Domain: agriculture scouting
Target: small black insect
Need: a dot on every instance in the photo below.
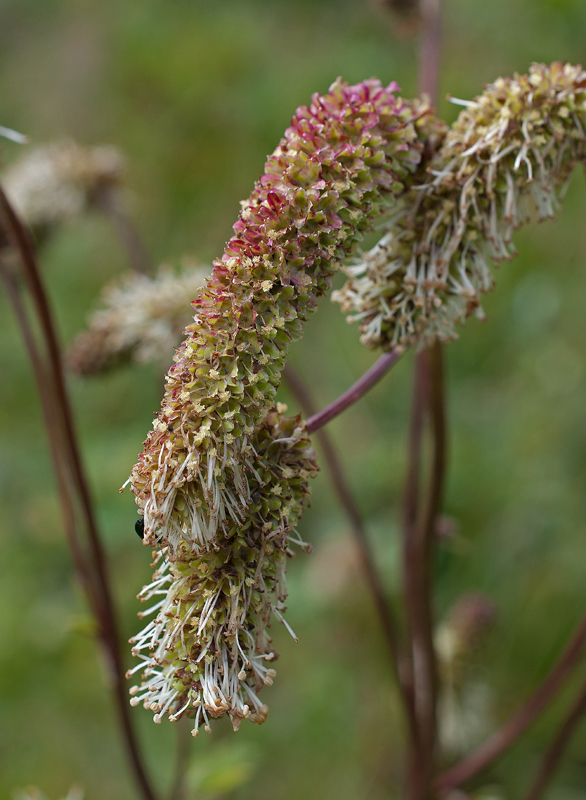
(139, 527)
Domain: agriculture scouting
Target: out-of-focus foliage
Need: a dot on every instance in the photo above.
(195, 94)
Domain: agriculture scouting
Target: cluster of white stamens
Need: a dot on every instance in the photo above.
(204, 653)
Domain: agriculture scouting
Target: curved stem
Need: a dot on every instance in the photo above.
(556, 750)
(355, 392)
(519, 722)
(70, 473)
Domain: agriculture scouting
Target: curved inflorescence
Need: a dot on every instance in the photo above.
(508, 155)
(205, 653)
(223, 478)
(341, 164)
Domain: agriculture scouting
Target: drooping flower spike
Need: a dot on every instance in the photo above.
(509, 153)
(340, 166)
(207, 652)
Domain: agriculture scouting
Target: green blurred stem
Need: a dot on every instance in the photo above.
(554, 753)
(373, 579)
(71, 479)
(182, 752)
(519, 722)
(106, 198)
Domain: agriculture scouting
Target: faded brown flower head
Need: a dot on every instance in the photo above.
(141, 319)
(53, 182)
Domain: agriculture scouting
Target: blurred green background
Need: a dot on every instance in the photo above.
(196, 93)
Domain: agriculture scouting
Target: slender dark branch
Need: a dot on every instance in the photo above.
(348, 503)
(106, 199)
(70, 473)
(425, 661)
(554, 753)
(356, 391)
(418, 772)
(519, 722)
(50, 416)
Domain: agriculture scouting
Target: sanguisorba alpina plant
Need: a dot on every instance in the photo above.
(222, 479)
(509, 153)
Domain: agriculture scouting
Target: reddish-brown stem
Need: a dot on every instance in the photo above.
(355, 392)
(70, 474)
(419, 524)
(418, 770)
(106, 199)
(555, 751)
(424, 657)
(51, 418)
(519, 722)
(348, 503)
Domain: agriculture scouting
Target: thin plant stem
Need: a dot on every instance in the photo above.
(52, 427)
(522, 719)
(106, 199)
(555, 751)
(373, 579)
(70, 474)
(424, 656)
(355, 392)
(418, 777)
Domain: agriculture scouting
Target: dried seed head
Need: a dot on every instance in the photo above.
(54, 182)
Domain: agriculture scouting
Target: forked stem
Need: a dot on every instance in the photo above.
(555, 751)
(501, 740)
(71, 478)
